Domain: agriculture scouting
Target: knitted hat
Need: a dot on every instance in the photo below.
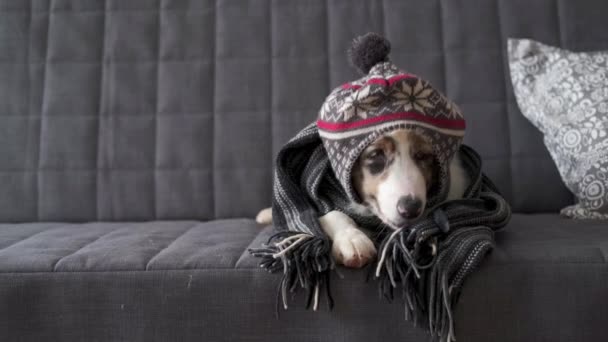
(355, 114)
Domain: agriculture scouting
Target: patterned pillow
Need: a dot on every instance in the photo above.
(565, 95)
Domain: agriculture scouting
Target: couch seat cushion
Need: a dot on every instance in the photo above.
(550, 238)
(167, 245)
(538, 238)
(157, 245)
(194, 281)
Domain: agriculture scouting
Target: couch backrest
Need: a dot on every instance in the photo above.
(140, 110)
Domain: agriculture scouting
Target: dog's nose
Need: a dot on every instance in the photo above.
(409, 207)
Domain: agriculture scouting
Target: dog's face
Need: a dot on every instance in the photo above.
(393, 176)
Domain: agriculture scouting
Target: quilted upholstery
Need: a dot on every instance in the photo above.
(172, 110)
(53, 247)
(84, 282)
(166, 109)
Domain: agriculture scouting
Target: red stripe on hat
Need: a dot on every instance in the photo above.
(350, 86)
(457, 124)
(399, 77)
(381, 81)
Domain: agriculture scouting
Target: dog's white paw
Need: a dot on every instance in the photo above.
(352, 248)
(264, 216)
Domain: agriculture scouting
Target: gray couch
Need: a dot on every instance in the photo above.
(136, 146)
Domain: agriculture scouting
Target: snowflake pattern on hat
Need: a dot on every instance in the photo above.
(355, 114)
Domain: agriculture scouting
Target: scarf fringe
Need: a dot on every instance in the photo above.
(426, 262)
(429, 270)
(305, 261)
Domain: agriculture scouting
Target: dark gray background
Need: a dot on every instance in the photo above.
(137, 110)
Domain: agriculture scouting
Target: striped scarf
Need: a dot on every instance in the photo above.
(427, 262)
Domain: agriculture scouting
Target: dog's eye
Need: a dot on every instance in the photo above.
(376, 160)
(422, 156)
(375, 154)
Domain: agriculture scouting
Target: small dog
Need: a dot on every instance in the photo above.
(392, 177)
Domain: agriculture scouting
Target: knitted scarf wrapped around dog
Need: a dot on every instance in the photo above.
(426, 261)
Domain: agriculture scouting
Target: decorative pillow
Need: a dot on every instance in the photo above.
(565, 95)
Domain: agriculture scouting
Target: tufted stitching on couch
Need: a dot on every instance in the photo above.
(32, 235)
(29, 81)
(106, 10)
(108, 246)
(184, 232)
(156, 109)
(41, 116)
(100, 116)
(49, 164)
(92, 241)
(214, 164)
(505, 102)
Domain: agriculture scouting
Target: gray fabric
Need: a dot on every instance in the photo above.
(564, 94)
(553, 263)
(107, 115)
(41, 247)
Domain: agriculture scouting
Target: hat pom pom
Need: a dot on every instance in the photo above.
(368, 50)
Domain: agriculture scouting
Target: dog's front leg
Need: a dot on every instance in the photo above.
(350, 246)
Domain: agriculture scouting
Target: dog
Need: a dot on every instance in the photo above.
(392, 177)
